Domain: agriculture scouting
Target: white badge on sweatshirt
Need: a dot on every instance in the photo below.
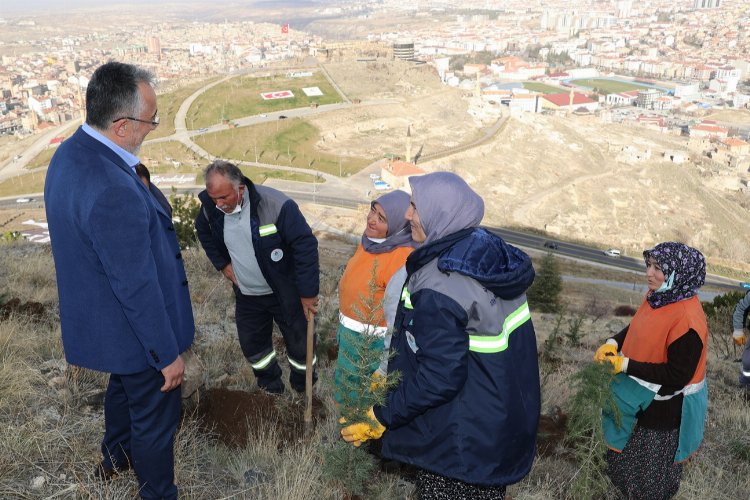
(277, 254)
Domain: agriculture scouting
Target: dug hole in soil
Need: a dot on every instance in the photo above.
(230, 414)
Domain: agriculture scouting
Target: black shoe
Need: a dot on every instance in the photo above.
(105, 473)
(275, 387)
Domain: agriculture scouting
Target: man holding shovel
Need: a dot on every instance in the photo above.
(258, 238)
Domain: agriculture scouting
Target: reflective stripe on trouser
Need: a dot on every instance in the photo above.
(255, 316)
(746, 361)
(262, 360)
(301, 367)
(499, 342)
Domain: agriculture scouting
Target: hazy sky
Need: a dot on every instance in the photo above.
(16, 7)
(31, 6)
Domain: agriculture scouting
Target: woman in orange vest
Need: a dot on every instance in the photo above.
(385, 245)
(659, 387)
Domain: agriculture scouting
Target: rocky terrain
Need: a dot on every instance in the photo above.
(572, 176)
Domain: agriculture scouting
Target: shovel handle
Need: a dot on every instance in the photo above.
(309, 369)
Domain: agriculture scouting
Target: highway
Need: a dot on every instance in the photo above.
(594, 255)
(518, 238)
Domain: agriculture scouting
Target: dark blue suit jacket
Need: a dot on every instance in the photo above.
(124, 300)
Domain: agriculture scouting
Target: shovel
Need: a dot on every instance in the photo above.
(309, 371)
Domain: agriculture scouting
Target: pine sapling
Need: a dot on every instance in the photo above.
(346, 465)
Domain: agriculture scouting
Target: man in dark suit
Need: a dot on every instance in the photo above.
(124, 301)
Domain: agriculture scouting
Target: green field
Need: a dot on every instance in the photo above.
(168, 105)
(43, 158)
(240, 97)
(608, 86)
(170, 157)
(542, 87)
(259, 175)
(283, 142)
(28, 183)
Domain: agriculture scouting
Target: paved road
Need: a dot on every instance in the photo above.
(13, 167)
(596, 256)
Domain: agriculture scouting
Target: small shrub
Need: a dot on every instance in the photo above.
(11, 236)
(585, 435)
(719, 331)
(552, 345)
(724, 300)
(596, 308)
(624, 310)
(574, 330)
(184, 211)
(350, 469)
(544, 294)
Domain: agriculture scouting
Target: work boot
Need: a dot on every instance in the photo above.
(275, 387)
(106, 473)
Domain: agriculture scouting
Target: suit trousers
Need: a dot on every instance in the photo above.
(255, 315)
(140, 423)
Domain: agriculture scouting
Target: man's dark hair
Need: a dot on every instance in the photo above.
(229, 170)
(113, 93)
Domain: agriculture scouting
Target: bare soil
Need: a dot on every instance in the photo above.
(233, 415)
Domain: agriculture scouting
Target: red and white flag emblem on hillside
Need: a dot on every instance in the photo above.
(285, 28)
(280, 94)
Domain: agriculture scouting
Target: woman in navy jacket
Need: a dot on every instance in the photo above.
(466, 409)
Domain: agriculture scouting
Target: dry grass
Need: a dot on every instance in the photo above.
(49, 429)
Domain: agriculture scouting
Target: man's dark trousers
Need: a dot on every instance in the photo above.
(140, 423)
(255, 315)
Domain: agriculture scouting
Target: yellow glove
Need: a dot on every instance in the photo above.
(359, 433)
(619, 363)
(604, 351)
(739, 337)
(376, 381)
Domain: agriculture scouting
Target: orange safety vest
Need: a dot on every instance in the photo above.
(652, 331)
(355, 284)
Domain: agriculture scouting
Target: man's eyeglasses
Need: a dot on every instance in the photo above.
(154, 122)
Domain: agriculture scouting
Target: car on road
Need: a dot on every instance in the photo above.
(263, 115)
(550, 244)
(381, 185)
(374, 177)
(17, 157)
(282, 117)
(24, 200)
(612, 252)
(204, 129)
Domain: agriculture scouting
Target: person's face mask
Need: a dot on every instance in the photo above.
(237, 207)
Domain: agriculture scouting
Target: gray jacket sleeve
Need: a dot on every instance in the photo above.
(739, 312)
(390, 307)
(393, 295)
